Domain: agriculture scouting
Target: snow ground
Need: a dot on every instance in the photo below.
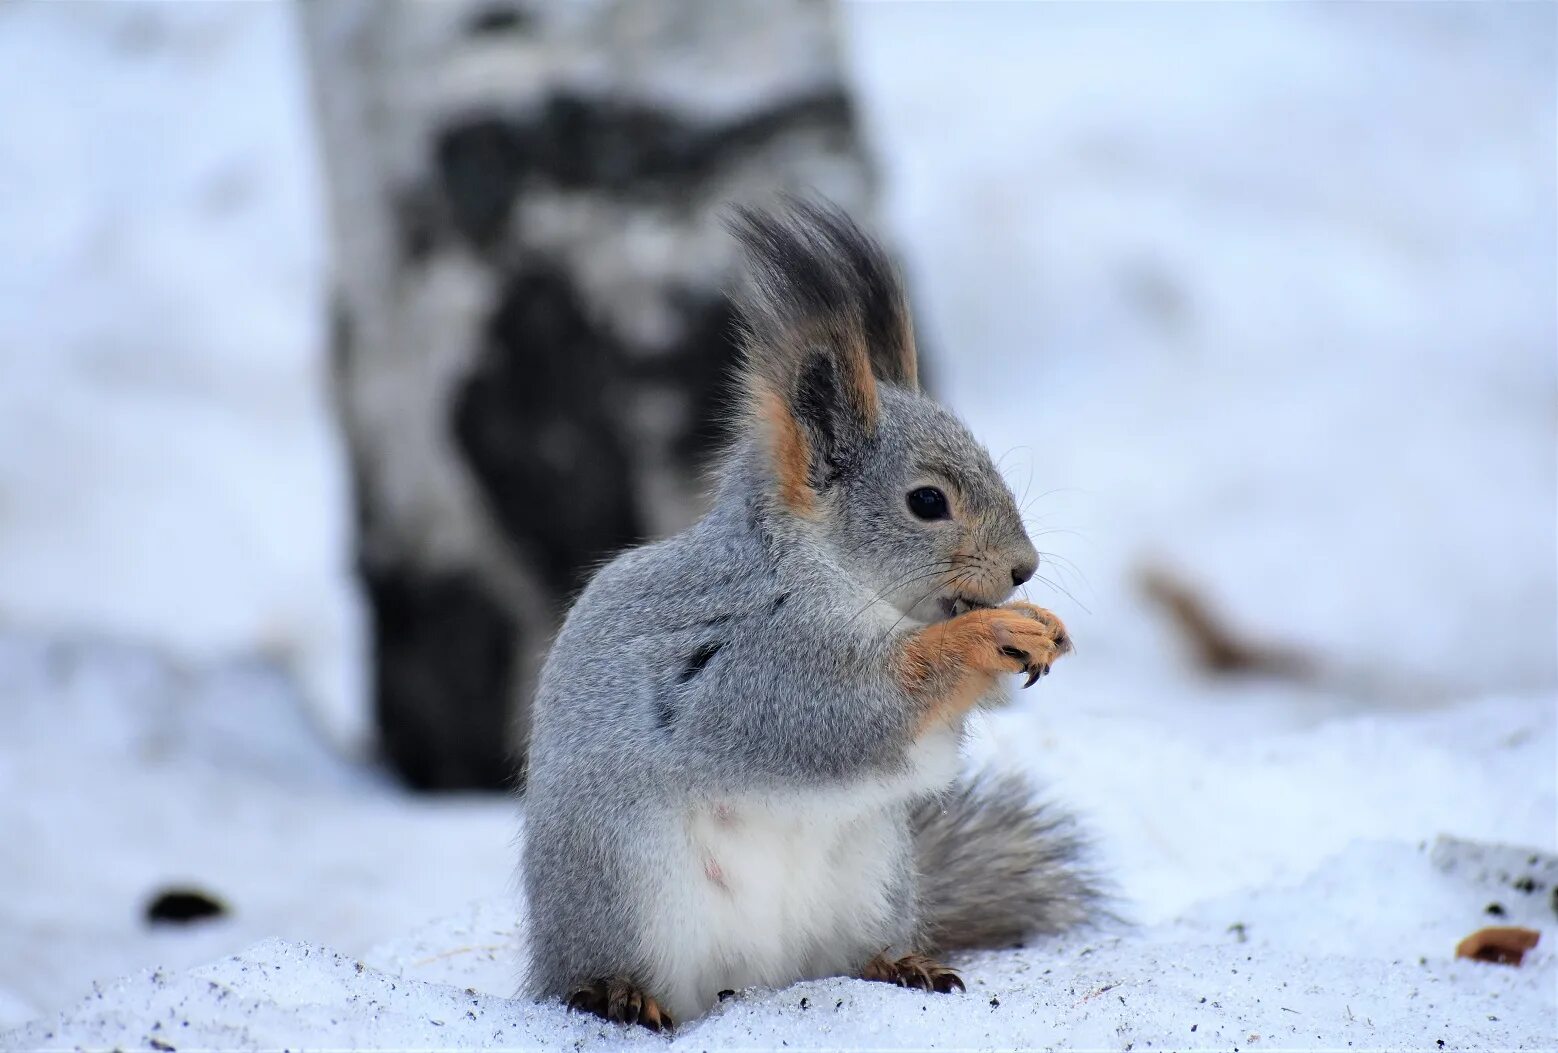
(173, 776)
(1280, 282)
(1251, 925)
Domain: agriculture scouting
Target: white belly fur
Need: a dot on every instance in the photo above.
(765, 891)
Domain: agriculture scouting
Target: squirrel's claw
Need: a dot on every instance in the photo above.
(914, 971)
(1034, 657)
(655, 1018)
(619, 1001)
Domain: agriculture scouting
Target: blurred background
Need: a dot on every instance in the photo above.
(339, 341)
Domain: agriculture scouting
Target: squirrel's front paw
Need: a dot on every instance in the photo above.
(1026, 639)
(948, 666)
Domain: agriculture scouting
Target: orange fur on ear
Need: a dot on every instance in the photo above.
(850, 355)
(787, 447)
(823, 323)
(855, 357)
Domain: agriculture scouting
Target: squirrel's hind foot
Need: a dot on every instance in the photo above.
(914, 970)
(620, 1001)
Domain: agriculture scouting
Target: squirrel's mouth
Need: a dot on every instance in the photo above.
(957, 603)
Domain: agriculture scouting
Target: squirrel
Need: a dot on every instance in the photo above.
(745, 754)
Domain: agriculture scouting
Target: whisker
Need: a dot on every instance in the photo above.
(926, 571)
(1011, 450)
(1057, 557)
(1055, 530)
(951, 583)
(890, 629)
(1065, 567)
(1062, 589)
(929, 570)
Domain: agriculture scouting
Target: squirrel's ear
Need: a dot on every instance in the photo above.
(809, 319)
(817, 423)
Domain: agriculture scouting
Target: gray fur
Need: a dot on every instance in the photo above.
(748, 657)
(997, 866)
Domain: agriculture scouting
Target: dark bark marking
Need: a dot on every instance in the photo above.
(538, 422)
(601, 143)
(443, 658)
(498, 18)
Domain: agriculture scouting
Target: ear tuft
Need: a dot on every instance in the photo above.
(812, 266)
(824, 320)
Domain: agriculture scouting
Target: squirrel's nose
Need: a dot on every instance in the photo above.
(1022, 572)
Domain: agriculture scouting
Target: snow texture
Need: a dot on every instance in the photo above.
(1302, 943)
(1264, 295)
(167, 777)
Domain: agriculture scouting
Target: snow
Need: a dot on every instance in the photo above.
(1370, 970)
(168, 776)
(1263, 293)
(1265, 296)
(1310, 918)
(1108, 995)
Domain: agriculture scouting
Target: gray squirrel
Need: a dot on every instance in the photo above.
(744, 764)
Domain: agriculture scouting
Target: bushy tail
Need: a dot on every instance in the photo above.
(997, 866)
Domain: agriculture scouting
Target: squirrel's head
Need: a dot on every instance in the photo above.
(908, 501)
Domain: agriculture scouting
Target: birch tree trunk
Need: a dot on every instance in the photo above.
(531, 340)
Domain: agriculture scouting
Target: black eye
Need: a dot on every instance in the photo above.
(929, 503)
